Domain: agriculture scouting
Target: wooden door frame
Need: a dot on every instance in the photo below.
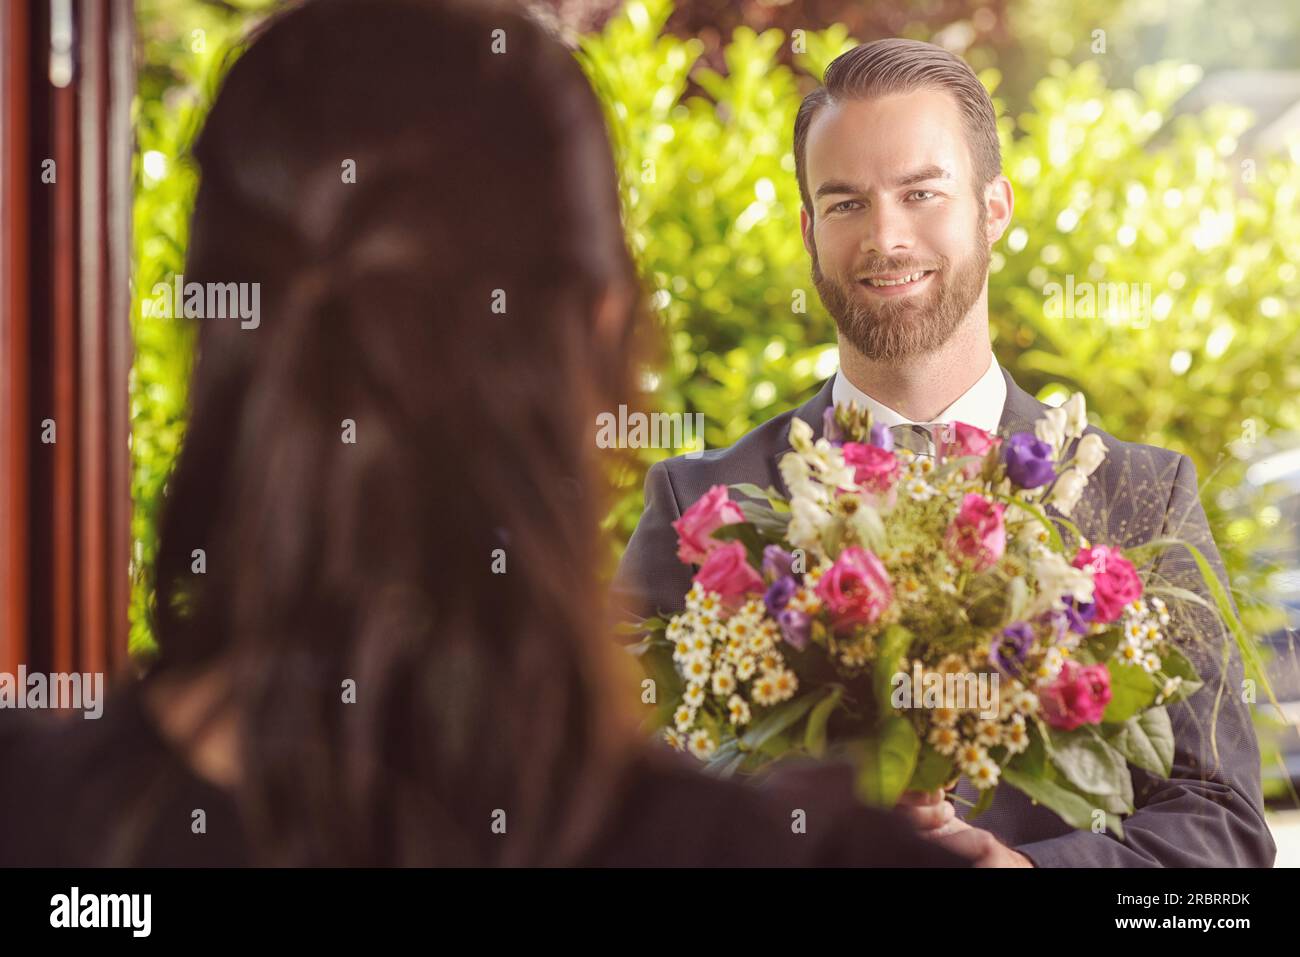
(65, 349)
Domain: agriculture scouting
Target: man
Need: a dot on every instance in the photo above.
(899, 168)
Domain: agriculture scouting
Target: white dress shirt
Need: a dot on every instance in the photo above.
(980, 405)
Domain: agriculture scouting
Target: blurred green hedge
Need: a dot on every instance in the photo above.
(1106, 192)
(711, 209)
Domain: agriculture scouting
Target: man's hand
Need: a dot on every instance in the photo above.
(928, 812)
(936, 819)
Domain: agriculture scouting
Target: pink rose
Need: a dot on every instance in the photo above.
(701, 520)
(856, 588)
(1115, 581)
(957, 439)
(727, 571)
(873, 467)
(1078, 696)
(977, 534)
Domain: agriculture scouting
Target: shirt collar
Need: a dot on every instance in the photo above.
(981, 405)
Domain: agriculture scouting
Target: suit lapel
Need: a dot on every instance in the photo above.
(1020, 409)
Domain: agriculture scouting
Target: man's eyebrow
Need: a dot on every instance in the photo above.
(922, 175)
(834, 187)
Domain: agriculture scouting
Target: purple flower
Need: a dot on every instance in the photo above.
(1074, 616)
(1079, 614)
(778, 595)
(1029, 460)
(1009, 652)
(777, 562)
(831, 430)
(881, 437)
(795, 626)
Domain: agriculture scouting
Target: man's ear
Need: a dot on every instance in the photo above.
(999, 203)
(805, 228)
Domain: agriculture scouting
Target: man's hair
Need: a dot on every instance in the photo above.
(891, 66)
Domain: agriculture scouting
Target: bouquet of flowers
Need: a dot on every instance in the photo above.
(923, 617)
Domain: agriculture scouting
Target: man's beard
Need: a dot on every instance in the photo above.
(890, 329)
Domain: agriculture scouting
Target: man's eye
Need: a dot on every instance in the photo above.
(844, 205)
(920, 194)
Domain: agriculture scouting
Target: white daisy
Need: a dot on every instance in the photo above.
(1015, 736)
(969, 755)
(1129, 652)
(988, 733)
(763, 690)
(738, 710)
(919, 490)
(1051, 665)
(696, 667)
(702, 745)
(684, 717)
(984, 774)
(724, 682)
(944, 739)
(786, 684)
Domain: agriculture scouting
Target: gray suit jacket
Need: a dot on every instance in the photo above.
(1210, 812)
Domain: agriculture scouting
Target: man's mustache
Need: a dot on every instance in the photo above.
(891, 267)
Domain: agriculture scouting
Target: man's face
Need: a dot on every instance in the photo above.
(894, 196)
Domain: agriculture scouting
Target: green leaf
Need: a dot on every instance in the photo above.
(1147, 741)
(1131, 690)
(1088, 762)
(868, 527)
(815, 733)
(1032, 760)
(1074, 809)
(886, 762)
(982, 803)
(891, 653)
(1017, 598)
(642, 626)
(933, 770)
(767, 521)
(1098, 649)
(657, 662)
(769, 494)
(777, 720)
(1175, 664)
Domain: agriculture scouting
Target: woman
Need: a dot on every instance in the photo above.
(390, 649)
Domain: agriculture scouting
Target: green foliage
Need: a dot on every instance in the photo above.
(183, 47)
(1107, 192)
(712, 212)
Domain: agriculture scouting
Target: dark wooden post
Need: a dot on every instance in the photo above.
(65, 351)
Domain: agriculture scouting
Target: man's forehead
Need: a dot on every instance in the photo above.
(887, 138)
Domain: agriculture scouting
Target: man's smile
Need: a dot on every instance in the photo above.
(896, 284)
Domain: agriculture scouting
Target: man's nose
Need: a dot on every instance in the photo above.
(887, 231)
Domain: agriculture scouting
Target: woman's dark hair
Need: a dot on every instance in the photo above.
(394, 476)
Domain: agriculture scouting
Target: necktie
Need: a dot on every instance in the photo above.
(911, 436)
